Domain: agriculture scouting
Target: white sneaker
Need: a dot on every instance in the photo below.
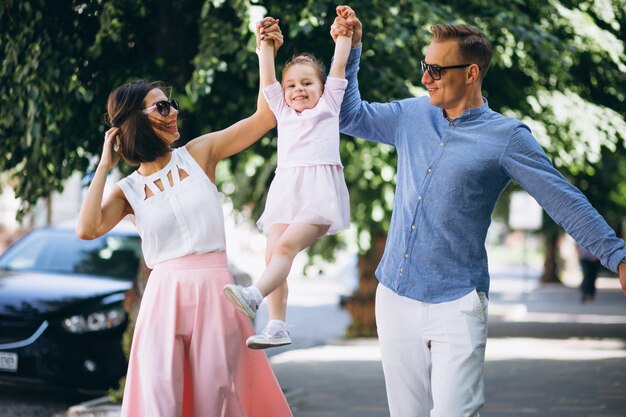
(242, 298)
(269, 339)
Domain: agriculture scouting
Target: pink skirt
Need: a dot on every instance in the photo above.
(188, 355)
(314, 194)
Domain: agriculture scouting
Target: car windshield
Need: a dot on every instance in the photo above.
(60, 251)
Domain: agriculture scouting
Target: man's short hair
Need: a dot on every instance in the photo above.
(474, 47)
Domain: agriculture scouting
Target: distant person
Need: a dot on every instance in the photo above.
(188, 354)
(590, 266)
(455, 156)
(308, 197)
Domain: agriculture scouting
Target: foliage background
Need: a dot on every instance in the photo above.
(559, 65)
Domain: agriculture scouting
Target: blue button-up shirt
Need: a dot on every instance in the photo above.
(450, 174)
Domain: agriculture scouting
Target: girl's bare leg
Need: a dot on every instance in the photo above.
(277, 300)
(293, 239)
(283, 244)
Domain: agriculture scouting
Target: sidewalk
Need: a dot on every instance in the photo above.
(548, 355)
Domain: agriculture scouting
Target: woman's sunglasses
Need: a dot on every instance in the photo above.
(163, 107)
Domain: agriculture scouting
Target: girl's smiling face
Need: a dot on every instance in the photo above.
(302, 86)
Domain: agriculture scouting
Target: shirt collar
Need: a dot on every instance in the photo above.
(471, 113)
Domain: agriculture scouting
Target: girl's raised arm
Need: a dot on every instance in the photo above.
(343, 44)
(212, 147)
(267, 70)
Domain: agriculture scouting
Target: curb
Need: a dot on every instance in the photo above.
(103, 407)
(98, 407)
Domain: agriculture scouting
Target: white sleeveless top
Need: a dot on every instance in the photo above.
(184, 217)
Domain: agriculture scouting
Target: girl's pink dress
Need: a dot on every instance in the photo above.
(309, 186)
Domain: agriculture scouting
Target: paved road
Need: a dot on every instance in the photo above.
(33, 402)
(585, 378)
(547, 356)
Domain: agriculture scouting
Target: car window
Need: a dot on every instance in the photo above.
(60, 251)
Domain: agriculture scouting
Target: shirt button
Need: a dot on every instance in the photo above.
(441, 144)
(429, 170)
(452, 123)
(406, 255)
(419, 197)
(412, 227)
(401, 270)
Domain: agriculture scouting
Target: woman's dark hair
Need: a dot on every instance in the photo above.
(139, 142)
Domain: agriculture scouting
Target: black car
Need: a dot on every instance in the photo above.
(61, 307)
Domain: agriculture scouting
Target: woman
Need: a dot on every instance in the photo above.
(188, 355)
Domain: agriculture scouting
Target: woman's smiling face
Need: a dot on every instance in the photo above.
(169, 130)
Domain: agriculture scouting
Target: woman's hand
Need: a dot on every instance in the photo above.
(96, 218)
(267, 29)
(111, 152)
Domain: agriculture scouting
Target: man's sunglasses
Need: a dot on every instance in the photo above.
(435, 70)
(163, 107)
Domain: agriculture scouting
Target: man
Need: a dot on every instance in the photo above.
(455, 156)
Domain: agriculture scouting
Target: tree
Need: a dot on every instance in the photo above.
(60, 60)
(558, 65)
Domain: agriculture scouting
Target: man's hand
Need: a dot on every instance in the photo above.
(346, 23)
(622, 276)
(346, 12)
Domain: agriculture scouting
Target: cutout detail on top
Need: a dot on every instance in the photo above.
(151, 188)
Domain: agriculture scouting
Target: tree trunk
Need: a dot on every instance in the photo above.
(551, 269)
(48, 201)
(360, 305)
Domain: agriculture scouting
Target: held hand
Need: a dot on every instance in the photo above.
(622, 276)
(346, 12)
(110, 151)
(268, 30)
(347, 24)
(261, 27)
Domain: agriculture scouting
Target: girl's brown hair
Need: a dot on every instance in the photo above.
(139, 142)
(307, 59)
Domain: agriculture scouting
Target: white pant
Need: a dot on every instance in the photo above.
(433, 355)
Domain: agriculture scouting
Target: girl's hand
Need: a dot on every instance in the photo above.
(268, 30)
(111, 152)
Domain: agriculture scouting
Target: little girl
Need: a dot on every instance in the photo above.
(308, 197)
